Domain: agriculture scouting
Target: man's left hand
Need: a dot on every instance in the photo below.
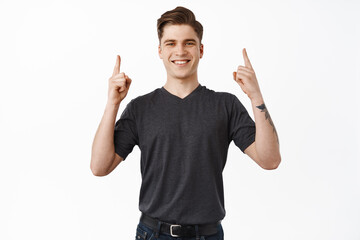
(246, 78)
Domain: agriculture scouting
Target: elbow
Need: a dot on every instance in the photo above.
(97, 171)
(272, 164)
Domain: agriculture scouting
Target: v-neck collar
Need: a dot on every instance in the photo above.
(179, 99)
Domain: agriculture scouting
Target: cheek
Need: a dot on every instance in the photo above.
(197, 53)
(165, 54)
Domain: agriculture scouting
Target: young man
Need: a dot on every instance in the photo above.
(183, 130)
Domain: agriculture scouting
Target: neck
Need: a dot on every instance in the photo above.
(181, 87)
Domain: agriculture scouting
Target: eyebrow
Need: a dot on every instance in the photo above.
(186, 40)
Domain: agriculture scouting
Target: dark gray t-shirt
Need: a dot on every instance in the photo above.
(184, 145)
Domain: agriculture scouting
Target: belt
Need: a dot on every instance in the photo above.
(176, 230)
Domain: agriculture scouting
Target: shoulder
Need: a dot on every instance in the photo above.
(227, 100)
(226, 97)
(141, 100)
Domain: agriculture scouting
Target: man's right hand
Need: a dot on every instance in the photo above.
(119, 84)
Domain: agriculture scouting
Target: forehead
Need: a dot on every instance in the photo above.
(179, 32)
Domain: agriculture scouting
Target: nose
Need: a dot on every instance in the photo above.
(180, 50)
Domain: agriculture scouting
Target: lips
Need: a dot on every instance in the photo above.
(180, 62)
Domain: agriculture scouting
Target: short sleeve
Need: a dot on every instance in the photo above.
(125, 132)
(241, 126)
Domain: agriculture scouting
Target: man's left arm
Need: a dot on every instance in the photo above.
(265, 150)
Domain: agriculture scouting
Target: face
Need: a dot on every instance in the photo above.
(180, 51)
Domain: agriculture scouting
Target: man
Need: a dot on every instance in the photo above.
(183, 130)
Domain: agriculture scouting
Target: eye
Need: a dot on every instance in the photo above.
(169, 44)
(190, 43)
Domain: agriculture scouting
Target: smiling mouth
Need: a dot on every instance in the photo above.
(180, 62)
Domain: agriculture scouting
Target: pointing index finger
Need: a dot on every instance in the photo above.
(246, 59)
(117, 65)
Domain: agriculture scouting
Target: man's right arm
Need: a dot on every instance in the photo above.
(103, 156)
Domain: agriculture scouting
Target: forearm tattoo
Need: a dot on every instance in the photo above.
(263, 108)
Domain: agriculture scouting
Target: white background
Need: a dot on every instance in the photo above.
(55, 61)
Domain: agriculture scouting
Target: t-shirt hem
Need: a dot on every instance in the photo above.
(121, 154)
(247, 143)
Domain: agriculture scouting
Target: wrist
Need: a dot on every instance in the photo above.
(257, 99)
(111, 105)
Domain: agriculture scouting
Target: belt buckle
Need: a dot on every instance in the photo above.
(171, 233)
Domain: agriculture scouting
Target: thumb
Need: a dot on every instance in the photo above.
(128, 82)
(240, 82)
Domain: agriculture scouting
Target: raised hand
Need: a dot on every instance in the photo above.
(246, 78)
(119, 84)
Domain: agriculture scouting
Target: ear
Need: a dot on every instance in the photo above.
(160, 52)
(201, 50)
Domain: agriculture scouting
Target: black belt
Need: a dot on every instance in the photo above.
(177, 230)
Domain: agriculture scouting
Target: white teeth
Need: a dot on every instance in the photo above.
(180, 62)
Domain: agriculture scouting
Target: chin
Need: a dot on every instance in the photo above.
(182, 76)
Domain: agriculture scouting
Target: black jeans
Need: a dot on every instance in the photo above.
(143, 232)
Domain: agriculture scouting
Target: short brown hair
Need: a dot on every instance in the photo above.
(179, 15)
